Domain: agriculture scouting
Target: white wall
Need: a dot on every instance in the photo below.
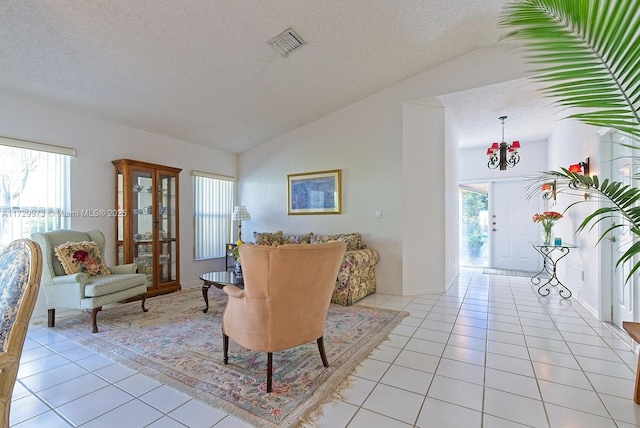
(97, 143)
(366, 140)
(572, 142)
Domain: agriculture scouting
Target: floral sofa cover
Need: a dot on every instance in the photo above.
(356, 278)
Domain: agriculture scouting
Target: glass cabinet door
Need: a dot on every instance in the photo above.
(143, 221)
(167, 227)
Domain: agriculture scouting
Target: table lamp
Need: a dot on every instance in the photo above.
(240, 213)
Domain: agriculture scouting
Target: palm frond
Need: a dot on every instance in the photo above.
(588, 51)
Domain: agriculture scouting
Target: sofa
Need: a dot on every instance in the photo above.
(356, 277)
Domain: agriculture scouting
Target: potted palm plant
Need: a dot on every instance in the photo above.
(587, 55)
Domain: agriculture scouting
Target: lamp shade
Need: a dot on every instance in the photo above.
(575, 168)
(515, 144)
(546, 187)
(240, 213)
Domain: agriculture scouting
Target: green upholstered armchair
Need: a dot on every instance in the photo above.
(80, 290)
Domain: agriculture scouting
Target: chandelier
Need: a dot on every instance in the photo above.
(503, 155)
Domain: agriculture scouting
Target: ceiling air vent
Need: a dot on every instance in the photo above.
(286, 42)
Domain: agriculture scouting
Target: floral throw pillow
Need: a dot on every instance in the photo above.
(353, 240)
(81, 257)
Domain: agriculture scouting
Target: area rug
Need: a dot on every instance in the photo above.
(178, 345)
(512, 272)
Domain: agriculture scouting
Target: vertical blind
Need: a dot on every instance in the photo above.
(213, 205)
(34, 189)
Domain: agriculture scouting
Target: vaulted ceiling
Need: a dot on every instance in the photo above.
(202, 71)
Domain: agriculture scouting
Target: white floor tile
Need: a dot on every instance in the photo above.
(563, 417)
(49, 378)
(367, 419)
(395, 403)
(515, 408)
(196, 414)
(565, 376)
(572, 398)
(92, 405)
(165, 399)
(358, 391)
(408, 379)
(73, 389)
(26, 408)
(456, 392)
(440, 414)
(133, 414)
(512, 383)
(462, 371)
(336, 414)
(48, 419)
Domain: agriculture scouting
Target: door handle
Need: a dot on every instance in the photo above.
(612, 239)
(494, 229)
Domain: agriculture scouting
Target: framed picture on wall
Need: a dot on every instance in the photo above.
(315, 192)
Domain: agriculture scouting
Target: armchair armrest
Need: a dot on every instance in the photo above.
(75, 278)
(233, 291)
(128, 268)
(6, 360)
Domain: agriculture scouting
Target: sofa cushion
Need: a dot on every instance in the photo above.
(109, 284)
(290, 238)
(81, 257)
(281, 238)
(353, 240)
(268, 238)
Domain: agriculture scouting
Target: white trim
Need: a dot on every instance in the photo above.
(210, 175)
(41, 147)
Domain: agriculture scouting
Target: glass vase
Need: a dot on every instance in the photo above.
(547, 236)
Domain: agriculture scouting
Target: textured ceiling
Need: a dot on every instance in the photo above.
(202, 71)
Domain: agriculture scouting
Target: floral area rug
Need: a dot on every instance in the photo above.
(177, 344)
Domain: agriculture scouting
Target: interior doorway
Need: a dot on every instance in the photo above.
(474, 225)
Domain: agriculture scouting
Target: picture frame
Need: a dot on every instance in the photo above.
(318, 192)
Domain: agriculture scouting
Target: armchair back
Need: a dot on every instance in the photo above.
(20, 270)
(287, 291)
(49, 240)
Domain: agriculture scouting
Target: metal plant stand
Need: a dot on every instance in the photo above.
(551, 255)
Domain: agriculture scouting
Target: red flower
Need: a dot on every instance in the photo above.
(80, 255)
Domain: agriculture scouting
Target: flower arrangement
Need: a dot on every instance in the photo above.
(236, 250)
(548, 219)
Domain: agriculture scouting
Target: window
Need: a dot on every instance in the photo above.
(34, 188)
(212, 208)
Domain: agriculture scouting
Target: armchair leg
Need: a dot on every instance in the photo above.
(323, 355)
(225, 347)
(94, 316)
(144, 297)
(51, 318)
(269, 369)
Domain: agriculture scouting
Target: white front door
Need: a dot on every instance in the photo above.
(511, 227)
(623, 294)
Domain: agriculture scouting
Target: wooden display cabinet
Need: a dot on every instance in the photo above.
(148, 233)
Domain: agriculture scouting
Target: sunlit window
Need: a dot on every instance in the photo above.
(34, 190)
(213, 205)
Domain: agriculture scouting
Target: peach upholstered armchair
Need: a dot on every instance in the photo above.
(20, 270)
(287, 291)
(84, 282)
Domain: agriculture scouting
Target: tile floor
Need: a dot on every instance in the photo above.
(489, 353)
